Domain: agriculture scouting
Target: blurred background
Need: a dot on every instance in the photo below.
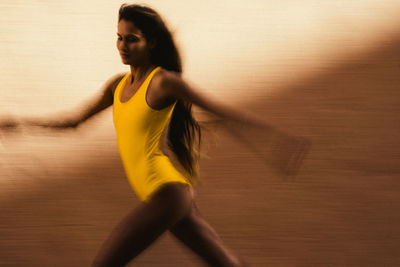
(326, 70)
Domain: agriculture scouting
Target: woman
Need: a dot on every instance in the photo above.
(144, 101)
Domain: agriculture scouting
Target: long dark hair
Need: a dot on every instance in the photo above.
(182, 127)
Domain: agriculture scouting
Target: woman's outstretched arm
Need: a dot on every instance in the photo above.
(173, 85)
(284, 152)
(101, 101)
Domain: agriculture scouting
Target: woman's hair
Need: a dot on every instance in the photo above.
(183, 127)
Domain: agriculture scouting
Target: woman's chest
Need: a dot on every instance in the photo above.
(153, 94)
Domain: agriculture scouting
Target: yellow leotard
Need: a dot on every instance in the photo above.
(139, 129)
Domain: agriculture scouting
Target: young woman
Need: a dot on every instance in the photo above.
(149, 99)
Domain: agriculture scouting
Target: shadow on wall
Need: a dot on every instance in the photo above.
(339, 209)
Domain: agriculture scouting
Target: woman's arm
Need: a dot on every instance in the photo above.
(98, 103)
(284, 152)
(174, 86)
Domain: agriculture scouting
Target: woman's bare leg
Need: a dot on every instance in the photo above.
(198, 235)
(144, 224)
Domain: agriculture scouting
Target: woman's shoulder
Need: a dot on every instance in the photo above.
(112, 83)
(117, 77)
(168, 73)
(163, 84)
(166, 78)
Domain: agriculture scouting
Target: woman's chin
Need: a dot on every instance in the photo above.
(124, 61)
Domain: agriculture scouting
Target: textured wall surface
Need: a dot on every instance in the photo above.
(327, 71)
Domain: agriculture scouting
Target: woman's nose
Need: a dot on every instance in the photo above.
(121, 45)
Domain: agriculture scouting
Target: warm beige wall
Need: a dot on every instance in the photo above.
(327, 70)
(59, 52)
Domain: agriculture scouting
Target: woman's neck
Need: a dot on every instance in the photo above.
(139, 73)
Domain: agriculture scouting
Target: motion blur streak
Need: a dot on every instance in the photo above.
(328, 70)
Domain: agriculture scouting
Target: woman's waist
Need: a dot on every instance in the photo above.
(142, 155)
(144, 145)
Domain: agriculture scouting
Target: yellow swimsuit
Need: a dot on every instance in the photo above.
(139, 129)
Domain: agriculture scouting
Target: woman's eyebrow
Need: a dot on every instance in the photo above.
(129, 34)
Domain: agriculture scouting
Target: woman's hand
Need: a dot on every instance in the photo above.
(8, 123)
(286, 153)
(281, 151)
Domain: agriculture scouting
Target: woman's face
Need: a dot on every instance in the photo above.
(131, 44)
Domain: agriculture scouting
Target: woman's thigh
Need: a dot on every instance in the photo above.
(140, 227)
(196, 233)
